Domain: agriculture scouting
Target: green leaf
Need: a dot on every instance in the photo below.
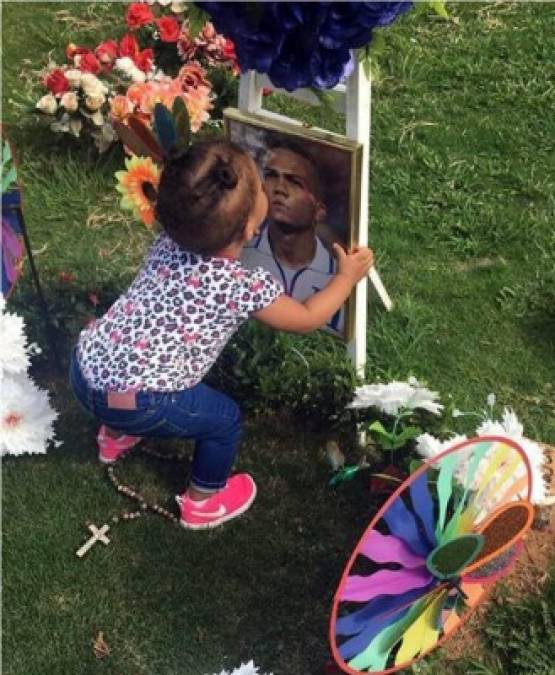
(344, 474)
(9, 179)
(6, 152)
(379, 428)
(197, 18)
(408, 434)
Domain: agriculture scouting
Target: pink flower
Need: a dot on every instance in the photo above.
(57, 82)
(211, 44)
(138, 14)
(198, 104)
(169, 29)
(186, 46)
(128, 308)
(141, 344)
(115, 336)
(121, 107)
(192, 76)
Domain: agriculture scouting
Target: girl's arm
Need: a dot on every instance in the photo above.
(288, 314)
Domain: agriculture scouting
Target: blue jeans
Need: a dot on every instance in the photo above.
(212, 419)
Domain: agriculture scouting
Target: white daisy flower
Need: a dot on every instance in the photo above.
(26, 417)
(395, 396)
(14, 355)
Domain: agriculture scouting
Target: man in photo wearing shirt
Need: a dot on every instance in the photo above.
(287, 245)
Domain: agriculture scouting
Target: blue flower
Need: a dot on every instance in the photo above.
(300, 44)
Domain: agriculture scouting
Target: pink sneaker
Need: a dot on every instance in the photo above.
(111, 449)
(232, 501)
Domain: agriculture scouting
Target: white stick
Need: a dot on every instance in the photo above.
(380, 288)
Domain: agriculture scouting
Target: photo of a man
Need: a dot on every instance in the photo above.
(312, 179)
(288, 245)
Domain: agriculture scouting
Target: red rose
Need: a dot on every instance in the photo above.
(128, 46)
(169, 29)
(143, 60)
(88, 63)
(57, 82)
(138, 14)
(107, 52)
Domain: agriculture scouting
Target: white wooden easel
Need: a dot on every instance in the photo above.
(353, 100)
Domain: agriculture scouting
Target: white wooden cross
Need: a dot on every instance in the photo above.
(97, 535)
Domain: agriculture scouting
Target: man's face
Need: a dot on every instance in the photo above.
(290, 183)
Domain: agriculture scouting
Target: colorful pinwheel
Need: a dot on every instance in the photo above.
(12, 227)
(430, 555)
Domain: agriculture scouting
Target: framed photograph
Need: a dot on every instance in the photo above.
(312, 179)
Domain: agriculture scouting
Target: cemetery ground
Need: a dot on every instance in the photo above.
(461, 221)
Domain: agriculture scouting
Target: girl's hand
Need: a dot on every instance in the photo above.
(355, 264)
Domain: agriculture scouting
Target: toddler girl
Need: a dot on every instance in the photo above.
(139, 368)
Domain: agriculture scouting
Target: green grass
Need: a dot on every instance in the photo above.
(462, 211)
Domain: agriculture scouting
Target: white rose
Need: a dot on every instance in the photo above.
(128, 68)
(137, 75)
(92, 86)
(70, 101)
(47, 104)
(95, 101)
(178, 6)
(74, 77)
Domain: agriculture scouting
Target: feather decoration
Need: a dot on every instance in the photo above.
(182, 122)
(148, 138)
(136, 144)
(164, 127)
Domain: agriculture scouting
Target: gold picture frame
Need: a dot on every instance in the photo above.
(337, 160)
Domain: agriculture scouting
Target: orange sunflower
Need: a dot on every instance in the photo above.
(140, 172)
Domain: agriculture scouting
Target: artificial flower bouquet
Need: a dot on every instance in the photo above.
(398, 402)
(157, 59)
(26, 415)
(393, 426)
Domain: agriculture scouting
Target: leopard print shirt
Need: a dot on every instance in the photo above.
(167, 330)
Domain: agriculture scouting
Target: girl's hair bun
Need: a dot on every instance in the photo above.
(224, 176)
